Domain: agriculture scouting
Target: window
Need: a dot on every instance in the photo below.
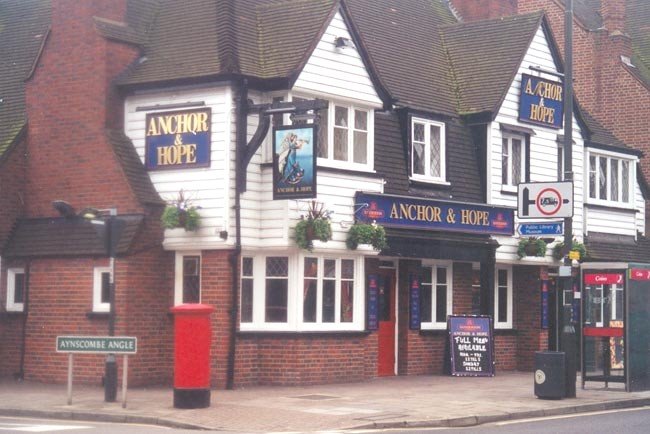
(15, 289)
(503, 298)
(188, 278)
(301, 293)
(513, 160)
(610, 180)
(101, 289)
(427, 150)
(436, 295)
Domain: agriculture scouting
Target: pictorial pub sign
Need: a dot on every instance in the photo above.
(294, 162)
(177, 140)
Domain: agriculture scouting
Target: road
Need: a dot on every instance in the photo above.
(626, 421)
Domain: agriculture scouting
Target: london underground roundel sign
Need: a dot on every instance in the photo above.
(545, 200)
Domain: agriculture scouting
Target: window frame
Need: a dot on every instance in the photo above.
(178, 275)
(510, 186)
(295, 296)
(348, 164)
(428, 123)
(510, 309)
(609, 156)
(12, 305)
(434, 324)
(98, 305)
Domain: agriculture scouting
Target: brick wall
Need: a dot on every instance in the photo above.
(530, 336)
(474, 10)
(70, 102)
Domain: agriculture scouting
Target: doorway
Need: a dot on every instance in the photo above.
(386, 314)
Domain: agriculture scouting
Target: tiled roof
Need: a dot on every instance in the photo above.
(606, 247)
(588, 13)
(407, 51)
(55, 237)
(598, 135)
(133, 168)
(638, 27)
(23, 26)
(485, 56)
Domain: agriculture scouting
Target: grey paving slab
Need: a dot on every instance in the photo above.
(412, 401)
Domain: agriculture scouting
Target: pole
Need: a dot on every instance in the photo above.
(110, 368)
(125, 375)
(568, 339)
(70, 362)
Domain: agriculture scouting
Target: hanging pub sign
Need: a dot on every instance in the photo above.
(178, 140)
(416, 213)
(472, 346)
(541, 101)
(294, 162)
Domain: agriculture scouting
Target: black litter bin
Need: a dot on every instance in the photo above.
(550, 367)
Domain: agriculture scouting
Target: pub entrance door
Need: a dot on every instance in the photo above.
(386, 334)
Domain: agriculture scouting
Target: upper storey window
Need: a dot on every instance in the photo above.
(610, 179)
(513, 160)
(427, 150)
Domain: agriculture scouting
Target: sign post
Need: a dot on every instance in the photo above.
(97, 345)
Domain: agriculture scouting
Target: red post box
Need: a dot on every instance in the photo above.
(192, 336)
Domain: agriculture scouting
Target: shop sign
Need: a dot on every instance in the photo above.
(603, 279)
(178, 140)
(415, 213)
(373, 303)
(544, 300)
(541, 102)
(639, 274)
(294, 162)
(472, 346)
(414, 302)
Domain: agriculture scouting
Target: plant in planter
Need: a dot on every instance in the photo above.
(315, 226)
(575, 246)
(180, 213)
(362, 233)
(531, 247)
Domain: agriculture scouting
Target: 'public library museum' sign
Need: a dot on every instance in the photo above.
(178, 140)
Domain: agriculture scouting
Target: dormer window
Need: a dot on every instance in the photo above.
(427, 150)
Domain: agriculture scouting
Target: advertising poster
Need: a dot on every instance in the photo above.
(294, 162)
(472, 346)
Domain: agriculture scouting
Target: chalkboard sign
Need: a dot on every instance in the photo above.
(373, 303)
(472, 346)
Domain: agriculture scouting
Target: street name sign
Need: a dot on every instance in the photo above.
(539, 229)
(97, 344)
(545, 200)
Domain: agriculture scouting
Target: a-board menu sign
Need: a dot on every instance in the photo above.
(472, 345)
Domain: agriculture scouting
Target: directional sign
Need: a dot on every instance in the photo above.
(545, 200)
(96, 344)
(538, 229)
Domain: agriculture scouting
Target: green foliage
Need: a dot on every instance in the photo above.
(575, 246)
(180, 214)
(310, 229)
(361, 233)
(531, 247)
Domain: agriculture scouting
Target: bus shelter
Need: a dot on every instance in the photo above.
(615, 317)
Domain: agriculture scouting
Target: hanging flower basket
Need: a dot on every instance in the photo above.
(531, 247)
(362, 233)
(180, 214)
(314, 226)
(575, 247)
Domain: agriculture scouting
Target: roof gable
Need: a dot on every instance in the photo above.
(485, 57)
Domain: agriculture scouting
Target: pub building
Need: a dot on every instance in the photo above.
(249, 140)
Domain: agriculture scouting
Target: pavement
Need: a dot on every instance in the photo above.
(392, 402)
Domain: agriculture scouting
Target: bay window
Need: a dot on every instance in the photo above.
(301, 293)
(610, 179)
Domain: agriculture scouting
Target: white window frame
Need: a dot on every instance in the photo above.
(510, 186)
(609, 156)
(295, 295)
(428, 123)
(98, 306)
(508, 323)
(434, 324)
(370, 145)
(12, 306)
(178, 275)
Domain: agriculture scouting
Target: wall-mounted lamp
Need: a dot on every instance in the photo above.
(342, 42)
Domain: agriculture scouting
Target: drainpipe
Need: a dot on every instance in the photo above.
(241, 123)
(21, 372)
